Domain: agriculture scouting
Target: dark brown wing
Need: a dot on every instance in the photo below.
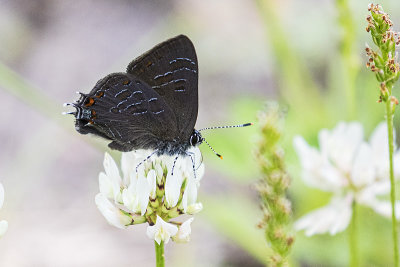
(170, 68)
(126, 110)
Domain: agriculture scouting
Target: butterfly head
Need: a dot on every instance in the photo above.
(195, 138)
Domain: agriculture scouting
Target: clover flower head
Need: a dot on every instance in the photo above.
(146, 191)
(352, 169)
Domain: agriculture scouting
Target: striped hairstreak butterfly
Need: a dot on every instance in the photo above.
(153, 105)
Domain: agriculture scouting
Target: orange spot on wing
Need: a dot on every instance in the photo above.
(90, 102)
(99, 94)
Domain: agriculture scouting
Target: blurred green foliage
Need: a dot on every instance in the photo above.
(351, 93)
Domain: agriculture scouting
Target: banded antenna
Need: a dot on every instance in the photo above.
(218, 155)
(224, 127)
(221, 127)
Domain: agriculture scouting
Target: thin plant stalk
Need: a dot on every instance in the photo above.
(389, 119)
(384, 63)
(349, 57)
(353, 238)
(160, 258)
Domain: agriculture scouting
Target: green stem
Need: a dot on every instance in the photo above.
(353, 238)
(349, 62)
(160, 259)
(389, 119)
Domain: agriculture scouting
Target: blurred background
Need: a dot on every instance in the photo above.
(307, 55)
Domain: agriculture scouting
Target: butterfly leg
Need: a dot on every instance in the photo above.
(146, 159)
(173, 166)
(193, 159)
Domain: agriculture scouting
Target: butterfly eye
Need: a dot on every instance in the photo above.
(195, 138)
(192, 140)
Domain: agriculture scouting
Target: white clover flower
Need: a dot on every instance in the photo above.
(161, 231)
(352, 169)
(146, 191)
(184, 231)
(3, 223)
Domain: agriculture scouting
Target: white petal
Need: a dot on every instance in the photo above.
(380, 147)
(382, 207)
(113, 215)
(317, 171)
(161, 231)
(363, 171)
(184, 231)
(200, 172)
(143, 193)
(111, 169)
(159, 172)
(152, 180)
(106, 186)
(379, 139)
(340, 144)
(129, 200)
(129, 195)
(173, 185)
(1, 196)
(194, 208)
(190, 194)
(3, 227)
(333, 218)
(112, 173)
(128, 164)
(377, 188)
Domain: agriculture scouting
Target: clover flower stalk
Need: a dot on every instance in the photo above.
(384, 63)
(353, 170)
(148, 192)
(273, 186)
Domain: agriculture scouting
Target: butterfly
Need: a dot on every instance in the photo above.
(153, 105)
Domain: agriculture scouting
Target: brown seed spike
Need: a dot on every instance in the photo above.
(126, 82)
(149, 64)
